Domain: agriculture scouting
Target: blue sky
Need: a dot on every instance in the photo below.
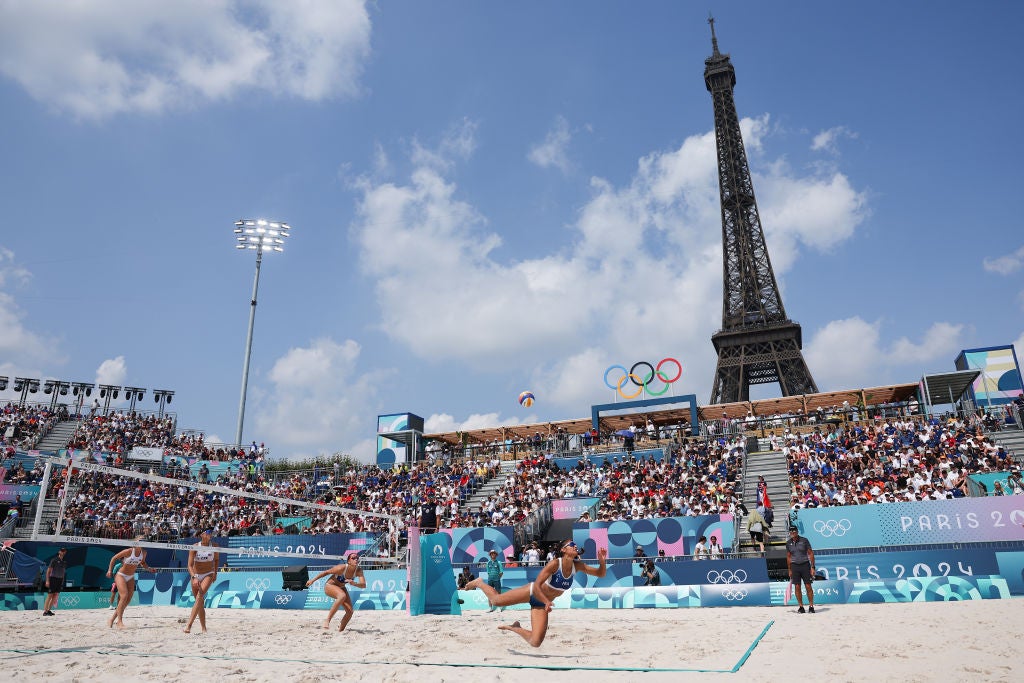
(487, 198)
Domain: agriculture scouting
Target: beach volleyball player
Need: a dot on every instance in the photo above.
(202, 569)
(132, 560)
(341, 576)
(554, 579)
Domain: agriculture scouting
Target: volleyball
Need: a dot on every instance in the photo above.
(526, 399)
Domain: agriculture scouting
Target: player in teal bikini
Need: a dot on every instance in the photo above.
(554, 579)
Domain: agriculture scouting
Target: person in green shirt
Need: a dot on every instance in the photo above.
(495, 569)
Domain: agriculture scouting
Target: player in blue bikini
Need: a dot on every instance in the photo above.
(342, 575)
(554, 579)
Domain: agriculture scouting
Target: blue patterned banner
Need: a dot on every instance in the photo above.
(302, 544)
(971, 520)
(471, 545)
(677, 536)
(907, 564)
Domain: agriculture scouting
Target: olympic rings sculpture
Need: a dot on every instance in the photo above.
(644, 382)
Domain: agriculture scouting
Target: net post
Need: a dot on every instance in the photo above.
(64, 497)
(41, 499)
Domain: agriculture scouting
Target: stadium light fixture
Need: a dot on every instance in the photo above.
(81, 390)
(108, 392)
(3, 382)
(133, 394)
(25, 385)
(258, 235)
(162, 397)
(55, 389)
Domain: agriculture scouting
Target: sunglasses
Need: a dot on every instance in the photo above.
(570, 544)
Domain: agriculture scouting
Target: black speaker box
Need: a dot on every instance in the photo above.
(294, 578)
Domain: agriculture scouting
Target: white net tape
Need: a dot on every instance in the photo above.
(67, 529)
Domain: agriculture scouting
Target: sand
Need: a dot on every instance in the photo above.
(899, 642)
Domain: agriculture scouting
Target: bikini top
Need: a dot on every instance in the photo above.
(204, 553)
(559, 581)
(133, 559)
(341, 578)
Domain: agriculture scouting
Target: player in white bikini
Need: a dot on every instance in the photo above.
(554, 579)
(203, 561)
(337, 587)
(132, 560)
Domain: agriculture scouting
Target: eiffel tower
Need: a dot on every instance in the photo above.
(757, 344)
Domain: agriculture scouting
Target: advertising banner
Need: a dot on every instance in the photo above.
(470, 545)
(9, 493)
(303, 544)
(970, 520)
(572, 508)
(677, 536)
(906, 564)
(147, 454)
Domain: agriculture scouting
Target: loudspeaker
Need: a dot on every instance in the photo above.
(775, 558)
(752, 445)
(294, 578)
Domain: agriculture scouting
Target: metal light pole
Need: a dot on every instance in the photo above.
(256, 235)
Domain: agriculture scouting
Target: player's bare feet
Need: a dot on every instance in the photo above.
(513, 625)
(327, 625)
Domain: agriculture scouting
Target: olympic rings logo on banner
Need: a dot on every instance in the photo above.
(257, 584)
(832, 527)
(727, 576)
(731, 594)
(282, 599)
(70, 601)
(643, 382)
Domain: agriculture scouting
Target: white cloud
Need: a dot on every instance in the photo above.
(827, 140)
(112, 371)
(651, 248)
(552, 152)
(103, 57)
(23, 351)
(1006, 264)
(863, 352)
(316, 397)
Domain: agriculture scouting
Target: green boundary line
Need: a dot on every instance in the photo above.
(547, 667)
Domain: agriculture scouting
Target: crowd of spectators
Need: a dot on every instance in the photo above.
(695, 478)
(833, 462)
(116, 433)
(22, 427)
(893, 460)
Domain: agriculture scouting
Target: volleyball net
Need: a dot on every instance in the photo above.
(89, 504)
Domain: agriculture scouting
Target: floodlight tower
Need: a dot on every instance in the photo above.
(258, 235)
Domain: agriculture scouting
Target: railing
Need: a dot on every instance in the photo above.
(8, 527)
(530, 528)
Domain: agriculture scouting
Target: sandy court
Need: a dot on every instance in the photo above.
(898, 642)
